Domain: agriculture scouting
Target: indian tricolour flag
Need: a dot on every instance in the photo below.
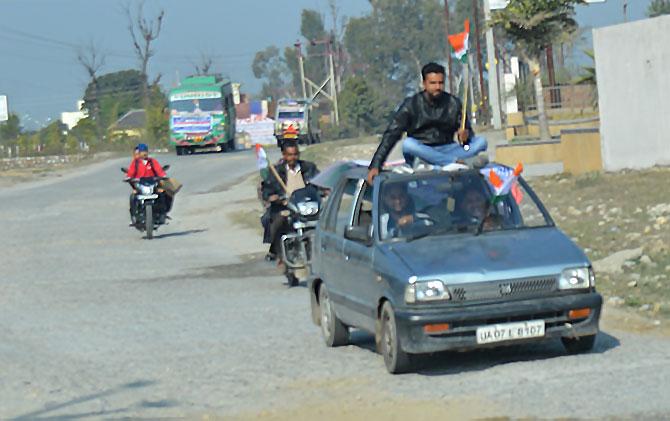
(262, 160)
(503, 180)
(459, 42)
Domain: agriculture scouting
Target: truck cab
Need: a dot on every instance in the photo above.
(295, 120)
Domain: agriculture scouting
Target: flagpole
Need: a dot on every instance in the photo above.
(276, 175)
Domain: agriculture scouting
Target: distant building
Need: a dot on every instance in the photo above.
(130, 124)
(71, 118)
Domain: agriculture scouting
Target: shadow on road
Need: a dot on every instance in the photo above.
(179, 234)
(48, 412)
(446, 363)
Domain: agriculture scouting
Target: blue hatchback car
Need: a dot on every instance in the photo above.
(433, 260)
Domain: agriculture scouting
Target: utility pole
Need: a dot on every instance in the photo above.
(625, 10)
(301, 64)
(494, 100)
(482, 92)
(315, 90)
(446, 29)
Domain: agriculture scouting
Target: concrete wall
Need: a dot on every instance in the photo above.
(577, 152)
(580, 149)
(633, 71)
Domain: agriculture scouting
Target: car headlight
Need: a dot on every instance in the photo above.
(577, 278)
(426, 291)
(308, 208)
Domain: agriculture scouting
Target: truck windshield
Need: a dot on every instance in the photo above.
(190, 105)
(451, 204)
(296, 115)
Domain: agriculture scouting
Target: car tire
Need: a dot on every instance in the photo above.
(180, 150)
(580, 344)
(396, 360)
(334, 332)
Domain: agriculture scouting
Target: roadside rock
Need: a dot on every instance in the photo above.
(615, 301)
(659, 210)
(613, 262)
(645, 307)
(646, 260)
(632, 284)
(573, 211)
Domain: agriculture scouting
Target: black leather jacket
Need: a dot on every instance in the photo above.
(432, 122)
(271, 185)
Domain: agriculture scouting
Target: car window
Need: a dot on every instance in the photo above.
(454, 203)
(363, 211)
(343, 217)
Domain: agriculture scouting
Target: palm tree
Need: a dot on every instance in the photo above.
(532, 25)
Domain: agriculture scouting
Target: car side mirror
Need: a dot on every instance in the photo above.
(359, 233)
(124, 170)
(166, 167)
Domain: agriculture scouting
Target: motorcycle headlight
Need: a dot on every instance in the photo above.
(426, 291)
(577, 278)
(308, 208)
(146, 190)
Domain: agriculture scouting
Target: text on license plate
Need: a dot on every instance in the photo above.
(510, 331)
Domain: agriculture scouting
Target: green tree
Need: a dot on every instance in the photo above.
(10, 129)
(53, 139)
(270, 66)
(116, 93)
(359, 105)
(658, 8)
(532, 25)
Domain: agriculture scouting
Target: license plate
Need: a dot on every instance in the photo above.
(290, 136)
(510, 331)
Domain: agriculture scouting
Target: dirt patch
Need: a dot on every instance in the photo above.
(324, 154)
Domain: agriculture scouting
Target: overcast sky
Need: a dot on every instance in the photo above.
(40, 75)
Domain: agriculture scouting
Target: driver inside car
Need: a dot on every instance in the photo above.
(399, 211)
(473, 207)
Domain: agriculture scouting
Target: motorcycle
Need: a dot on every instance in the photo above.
(304, 207)
(147, 215)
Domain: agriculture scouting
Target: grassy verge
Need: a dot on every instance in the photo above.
(608, 212)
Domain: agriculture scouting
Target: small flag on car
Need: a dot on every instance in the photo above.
(503, 180)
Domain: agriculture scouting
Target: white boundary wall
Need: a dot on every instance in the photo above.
(633, 71)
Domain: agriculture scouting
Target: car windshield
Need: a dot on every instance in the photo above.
(452, 203)
(203, 104)
(297, 115)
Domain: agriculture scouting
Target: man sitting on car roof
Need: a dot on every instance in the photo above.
(430, 118)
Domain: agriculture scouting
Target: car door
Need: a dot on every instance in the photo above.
(358, 276)
(331, 241)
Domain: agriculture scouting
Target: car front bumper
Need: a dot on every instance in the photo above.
(465, 319)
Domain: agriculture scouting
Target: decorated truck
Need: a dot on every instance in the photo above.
(202, 115)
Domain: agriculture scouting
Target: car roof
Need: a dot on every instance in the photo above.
(332, 175)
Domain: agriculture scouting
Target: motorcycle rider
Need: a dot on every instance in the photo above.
(295, 174)
(144, 166)
(430, 118)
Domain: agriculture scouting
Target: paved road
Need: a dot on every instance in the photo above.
(96, 322)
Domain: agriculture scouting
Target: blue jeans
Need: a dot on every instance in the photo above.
(441, 154)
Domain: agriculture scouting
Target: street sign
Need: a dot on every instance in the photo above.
(4, 111)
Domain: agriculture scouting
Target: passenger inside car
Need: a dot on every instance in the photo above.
(399, 211)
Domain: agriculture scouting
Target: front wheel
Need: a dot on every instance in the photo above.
(395, 359)
(149, 221)
(335, 333)
(580, 344)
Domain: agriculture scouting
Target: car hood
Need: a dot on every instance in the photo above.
(490, 256)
